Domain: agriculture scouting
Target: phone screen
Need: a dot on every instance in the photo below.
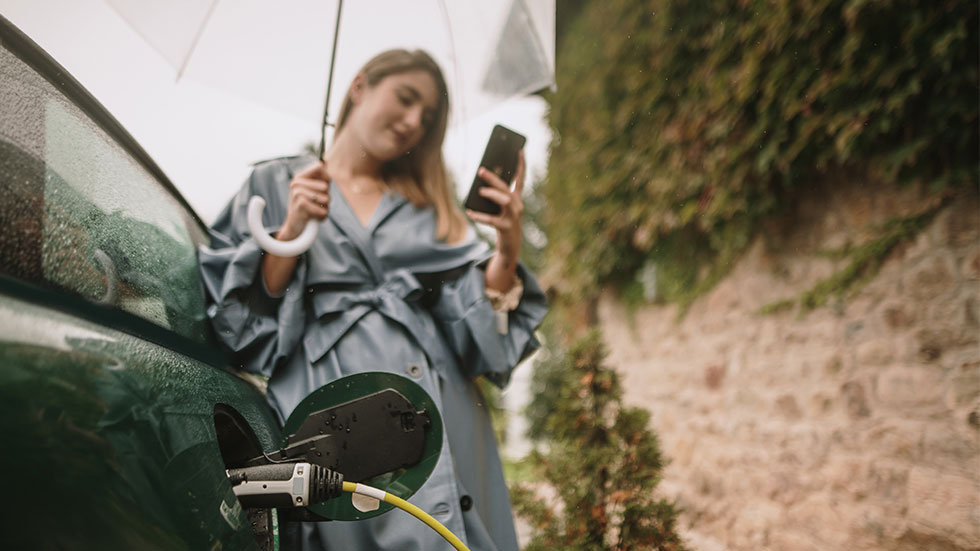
(500, 157)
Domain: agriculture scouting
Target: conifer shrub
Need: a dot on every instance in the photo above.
(597, 470)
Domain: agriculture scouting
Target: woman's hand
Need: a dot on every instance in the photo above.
(309, 197)
(502, 267)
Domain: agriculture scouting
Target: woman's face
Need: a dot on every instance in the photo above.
(393, 116)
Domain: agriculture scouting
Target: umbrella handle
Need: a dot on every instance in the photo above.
(271, 245)
(111, 295)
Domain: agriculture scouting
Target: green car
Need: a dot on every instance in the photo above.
(114, 401)
(120, 416)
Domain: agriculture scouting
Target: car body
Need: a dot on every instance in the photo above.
(119, 413)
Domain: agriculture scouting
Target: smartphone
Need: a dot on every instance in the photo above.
(500, 157)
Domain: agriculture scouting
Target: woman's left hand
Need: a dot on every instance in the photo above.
(508, 223)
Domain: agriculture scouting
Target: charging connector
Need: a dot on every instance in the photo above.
(284, 484)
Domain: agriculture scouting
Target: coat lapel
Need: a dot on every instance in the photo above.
(390, 202)
(344, 218)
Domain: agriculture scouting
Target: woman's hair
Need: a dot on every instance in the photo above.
(419, 175)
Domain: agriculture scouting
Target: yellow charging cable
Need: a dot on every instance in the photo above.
(381, 495)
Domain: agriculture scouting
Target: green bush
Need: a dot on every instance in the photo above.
(602, 463)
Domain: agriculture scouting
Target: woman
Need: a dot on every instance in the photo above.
(396, 280)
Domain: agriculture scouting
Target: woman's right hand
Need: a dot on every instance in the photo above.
(309, 198)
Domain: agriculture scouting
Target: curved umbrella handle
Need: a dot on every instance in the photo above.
(271, 245)
(111, 295)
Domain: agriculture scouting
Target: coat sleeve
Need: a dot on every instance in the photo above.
(469, 324)
(260, 329)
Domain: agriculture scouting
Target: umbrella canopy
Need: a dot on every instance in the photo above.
(490, 51)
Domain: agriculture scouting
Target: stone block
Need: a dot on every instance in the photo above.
(769, 337)
(853, 329)
(906, 350)
(964, 385)
(944, 505)
(748, 399)
(845, 439)
(846, 473)
(706, 483)
(869, 299)
(971, 266)
(866, 528)
(754, 523)
(723, 297)
(897, 315)
(714, 376)
(820, 404)
(920, 246)
(888, 484)
(951, 451)
(857, 210)
(753, 481)
(787, 407)
(682, 452)
(957, 225)
(805, 439)
(875, 352)
(792, 538)
(695, 538)
(821, 518)
(934, 342)
(909, 387)
(894, 439)
(855, 400)
(833, 365)
(930, 280)
(971, 311)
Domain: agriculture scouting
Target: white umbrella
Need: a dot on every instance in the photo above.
(279, 54)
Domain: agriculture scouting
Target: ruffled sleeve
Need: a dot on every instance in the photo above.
(260, 329)
(469, 324)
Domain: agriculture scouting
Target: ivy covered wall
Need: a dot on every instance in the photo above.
(681, 127)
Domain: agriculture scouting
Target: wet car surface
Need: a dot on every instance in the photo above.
(118, 412)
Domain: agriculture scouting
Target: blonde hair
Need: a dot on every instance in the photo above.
(420, 174)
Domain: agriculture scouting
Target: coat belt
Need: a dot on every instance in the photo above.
(336, 310)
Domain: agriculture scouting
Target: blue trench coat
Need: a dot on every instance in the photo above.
(356, 303)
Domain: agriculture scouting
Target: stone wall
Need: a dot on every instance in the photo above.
(855, 426)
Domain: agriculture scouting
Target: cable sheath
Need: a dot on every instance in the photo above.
(381, 495)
